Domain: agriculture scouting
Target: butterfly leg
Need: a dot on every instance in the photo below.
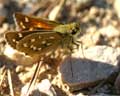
(79, 43)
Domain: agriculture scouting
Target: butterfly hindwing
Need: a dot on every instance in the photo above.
(39, 43)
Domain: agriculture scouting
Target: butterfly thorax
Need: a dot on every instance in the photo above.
(69, 29)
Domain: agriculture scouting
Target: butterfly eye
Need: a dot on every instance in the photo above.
(74, 32)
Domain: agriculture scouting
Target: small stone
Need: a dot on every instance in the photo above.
(91, 38)
(117, 7)
(19, 57)
(104, 54)
(44, 87)
(109, 31)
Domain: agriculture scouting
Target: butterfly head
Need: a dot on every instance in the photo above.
(74, 28)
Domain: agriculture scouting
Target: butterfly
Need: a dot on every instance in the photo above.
(40, 36)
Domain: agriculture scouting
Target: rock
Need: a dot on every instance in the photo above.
(109, 31)
(104, 54)
(19, 57)
(83, 73)
(117, 84)
(91, 38)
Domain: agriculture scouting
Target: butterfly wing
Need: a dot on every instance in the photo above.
(39, 43)
(14, 37)
(25, 22)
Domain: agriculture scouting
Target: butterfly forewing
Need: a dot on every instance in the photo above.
(39, 43)
(25, 22)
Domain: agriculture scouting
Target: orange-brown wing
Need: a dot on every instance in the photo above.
(25, 22)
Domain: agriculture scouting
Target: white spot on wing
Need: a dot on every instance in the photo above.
(25, 45)
(39, 37)
(43, 42)
(13, 40)
(21, 23)
(26, 19)
(32, 40)
(48, 44)
(31, 46)
(20, 35)
(39, 49)
(34, 48)
(51, 37)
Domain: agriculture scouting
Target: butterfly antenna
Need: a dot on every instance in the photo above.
(81, 45)
(82, 49)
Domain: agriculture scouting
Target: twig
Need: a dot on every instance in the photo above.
(2, 74)
(10, 83)
(34, 78)
(56, 10)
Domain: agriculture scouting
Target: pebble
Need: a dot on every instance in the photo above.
(117, 7)
(109, 31)
(19, 57)
(40, 88)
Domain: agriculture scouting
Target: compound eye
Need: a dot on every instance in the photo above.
(74, 32)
